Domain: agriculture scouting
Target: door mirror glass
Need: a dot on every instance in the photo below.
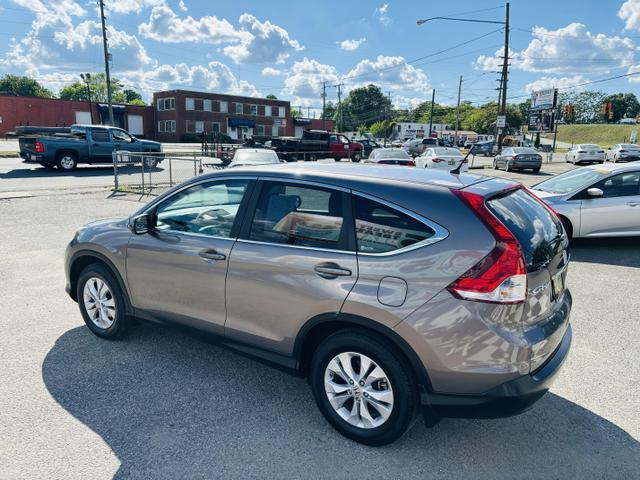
(595, 192)
(142, 224)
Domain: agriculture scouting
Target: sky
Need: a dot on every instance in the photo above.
(289, 48)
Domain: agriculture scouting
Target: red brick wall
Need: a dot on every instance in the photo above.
(48, 112)
(181, 115)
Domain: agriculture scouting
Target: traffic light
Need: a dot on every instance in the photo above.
(603, 109)
(571, 109)
(565, 110)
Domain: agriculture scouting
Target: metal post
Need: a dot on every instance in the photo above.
(114, 158)
(433, 99)
(142, 176)
(324, 99)
(195, 171)
(106, 62)
(339, 87)
(455, 138)
(170, 174)
(505, 74)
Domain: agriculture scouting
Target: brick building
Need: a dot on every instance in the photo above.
(52, 112)
(180, 112)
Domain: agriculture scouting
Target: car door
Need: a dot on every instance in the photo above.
(100, 145)
(123, 141)
(293, 261)
(177, 271)
(617, 212)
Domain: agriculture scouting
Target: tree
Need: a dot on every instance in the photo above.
(271, 96)
(329, 112)
(381, 128)
(23, 87)
(623, 105)
(586, 105)
(364, 106)
(483, 118)
(98, 88)
(296, 113)
(133, 97)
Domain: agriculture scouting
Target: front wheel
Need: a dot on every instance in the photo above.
(495, 164)
(363, 387)
(67, 162)
(357, 156)
(150, 162)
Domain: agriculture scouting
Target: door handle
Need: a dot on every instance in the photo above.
(331, 270)
(210, 254)
(633, 204)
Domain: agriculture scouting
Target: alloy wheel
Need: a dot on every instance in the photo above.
(99, 302)
(359, 390)
(67, 162)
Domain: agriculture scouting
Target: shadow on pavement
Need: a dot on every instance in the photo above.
(172, 406)
(623, 252)
(81, 171)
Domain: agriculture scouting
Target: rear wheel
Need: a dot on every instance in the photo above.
(507, 166)
(536, 170)
(66, 161)
(357, 156)
(337, 159)
(363, 387)
(495, 164)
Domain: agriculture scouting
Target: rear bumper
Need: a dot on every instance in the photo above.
(527, 164)
(507, 399)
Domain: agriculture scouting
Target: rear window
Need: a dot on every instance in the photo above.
(535, 227)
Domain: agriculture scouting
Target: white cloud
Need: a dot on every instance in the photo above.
(165, 26)
(130, 6)
(382, 14)
(305, 79)
(350, 45)
(571, 49)
(400, 101)
(636, 70)
(389, 72)
(271, 72)
(630, 13)
(182, 6)
(265, 43)
(556, 82)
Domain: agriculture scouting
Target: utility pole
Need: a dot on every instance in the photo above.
(308, 111)
(387, 119)
(324, 98)
(505, 74)
(86, 78)
(106, 62)
(433, 99)
(455, 138)
(339, 87)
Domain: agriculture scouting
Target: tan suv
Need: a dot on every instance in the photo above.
(392, 290)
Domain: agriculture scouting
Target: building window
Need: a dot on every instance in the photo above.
(261, 130)
(166, 103)
(274, 131)
(267, 110)
(239, 108)
(167, 126)
(224, 108)
(254, 109)
(215, 127)
(199, 126)
(190, 104)
(206, 106)
(281, 112)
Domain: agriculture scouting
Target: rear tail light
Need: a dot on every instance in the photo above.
(438, 160)
(581, 151)
(622, 151)
(515, 157)
(39, 147)
(411, 163)
(600, 151)
(501, 276)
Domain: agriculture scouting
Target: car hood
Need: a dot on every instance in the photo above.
(549, 197)
(150, 143)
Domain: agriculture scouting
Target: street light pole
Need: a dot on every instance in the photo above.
(455, 138)
(86, 78)
(106, 62)
(433, 99)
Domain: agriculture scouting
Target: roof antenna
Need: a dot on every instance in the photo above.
(456, 171)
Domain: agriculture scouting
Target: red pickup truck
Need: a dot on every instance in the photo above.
(316, 144)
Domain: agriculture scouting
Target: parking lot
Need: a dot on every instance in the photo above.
(164, 404)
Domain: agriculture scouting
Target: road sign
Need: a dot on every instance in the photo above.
(501, 121)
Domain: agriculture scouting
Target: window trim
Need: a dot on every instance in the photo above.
(440, 233)
(186, 104)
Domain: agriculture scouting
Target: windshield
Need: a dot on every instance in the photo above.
(390, 153)
(589, 146)
(248, 156)
(524, 150)
(629, 146)
(447, 151)
(571, 181)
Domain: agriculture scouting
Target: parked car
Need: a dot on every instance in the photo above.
(623, 152)
(368, 146)
(585, 152)
(417, 146)
(596, 201)
(518, 158)
(316, 144)
(394, 290)
(484, 148)
(390, 156)
(254, 156)
(83, 144)
(443, 158)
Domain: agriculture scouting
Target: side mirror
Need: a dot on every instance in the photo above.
(142, 224)
(595, 192)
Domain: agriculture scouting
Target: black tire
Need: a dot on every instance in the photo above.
(150, 162)
(121, 321)
(337, 159)
(495, 164)
(66, 161)
(536, 170)
(397, 369)
(311, 157)
(357, 156)
(507, 166)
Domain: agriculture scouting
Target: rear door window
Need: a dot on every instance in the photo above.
(100, 135)
(535, 227)
(382, 229)
(621, 185)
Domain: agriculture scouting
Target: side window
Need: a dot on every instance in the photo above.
(206, 208)
(621, 185)
(344, 139)
(121, 136)
(100, 135)
(292, 214)
(381, 229)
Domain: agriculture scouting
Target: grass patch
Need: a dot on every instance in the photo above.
(602, 134)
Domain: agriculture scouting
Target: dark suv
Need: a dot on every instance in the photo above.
(393, 290)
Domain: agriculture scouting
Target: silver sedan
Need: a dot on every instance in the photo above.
(623, 152)
(596, 201)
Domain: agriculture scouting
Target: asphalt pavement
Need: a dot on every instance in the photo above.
(165, 404)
